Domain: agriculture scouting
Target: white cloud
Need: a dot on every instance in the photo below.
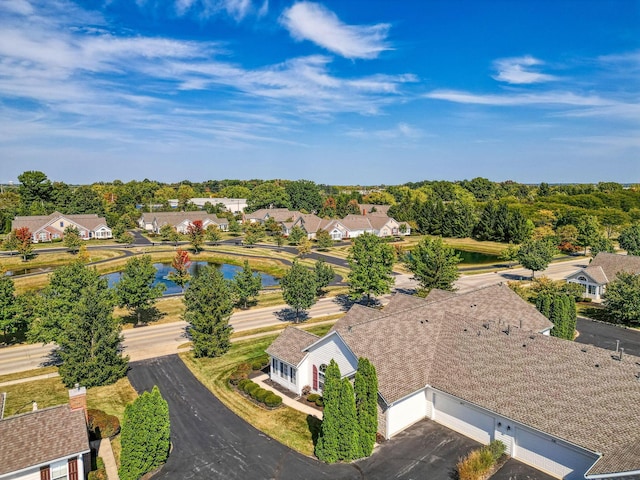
(518, 71)
(236, 9)
(21, 7)
(519, 99)
(314, 22)
(402, 131)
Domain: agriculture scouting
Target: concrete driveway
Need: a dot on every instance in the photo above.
(212, 442)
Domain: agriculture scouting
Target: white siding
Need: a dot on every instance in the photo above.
(285, 374)
(331, 348)
(552, 456)
(463, 417)
(406, 412)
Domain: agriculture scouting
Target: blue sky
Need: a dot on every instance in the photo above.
(339, 92)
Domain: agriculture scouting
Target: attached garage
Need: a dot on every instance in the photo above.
(552, 456)
(406, 412)
(462, 417)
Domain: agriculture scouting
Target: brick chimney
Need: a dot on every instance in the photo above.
(78, 399)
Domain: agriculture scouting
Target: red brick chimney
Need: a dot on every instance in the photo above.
(78, 399)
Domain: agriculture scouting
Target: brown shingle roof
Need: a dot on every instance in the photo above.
(401, 301)
(90, 221)
(356, 222)
(610, 264)
(290, 344)
(41, 437)
(435, 295)
(382, 210)
(278, 214)
(176, 218)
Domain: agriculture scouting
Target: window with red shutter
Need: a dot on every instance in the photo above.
(45, 473)
(73, 469)
(315, 378)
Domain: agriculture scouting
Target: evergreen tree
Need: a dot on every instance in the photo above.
(90, 345)
(324, 275)
(433, 264)
(7, 305)
(328, 444)
(208, 305)
(348, 444)
(299, 288)
(72, 239)
(135, 290)
(371, 260)
(366, 396)
(246, 285)
(145, 436)
(560, 308)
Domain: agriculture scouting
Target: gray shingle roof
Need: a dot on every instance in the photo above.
(381, 210)
(90, 221)
(610, 264)
(40, 437)
(290, 344)
(278, 214)
(176, 218)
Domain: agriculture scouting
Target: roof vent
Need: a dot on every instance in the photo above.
(465, 330)
(524, 344)
(486, 325)
(584, 350)
(597, 365)
(532, 337)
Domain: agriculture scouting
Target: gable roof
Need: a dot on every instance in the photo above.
(278, 214)
(39, 437)
(312, 223)
(380, 210)
(176, 218)
(605, 266)
(90, 221)
(290, 344)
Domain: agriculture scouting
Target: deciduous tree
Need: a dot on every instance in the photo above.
(213, 234)
(72, 239)
(145, 436)
(324, 240)
(246, 285)
(324, 275)
(433, 264)
(7, 305)
(135, 289)
(181, 263)
(371, 261)
(195, 232)
(629, 239)
(536, 255)
(299, 288)
(22, 243)
(622, 299)
(296, 235)
(254, 232)
(208, 305)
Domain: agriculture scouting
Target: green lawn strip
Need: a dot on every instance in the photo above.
(284, 424)
(27, 374)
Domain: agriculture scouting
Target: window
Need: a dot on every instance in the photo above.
(321, 370)
(59, 471)
(274, 365)
(281, 369)
(293, 375)
(61, 224)
(286, 371)
(592, 289)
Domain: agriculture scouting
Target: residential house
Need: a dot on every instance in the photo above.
(180, 220)
(482, 364)
(603, 269)
(280, 215)
(353, 226)
(47, 444)
(234, 205)
(311, 224)
(46, 228)
(372, 209)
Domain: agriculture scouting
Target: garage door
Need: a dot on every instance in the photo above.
(407, 412)
(555, 458)
(463, 418)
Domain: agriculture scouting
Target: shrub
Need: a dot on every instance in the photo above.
(98, 472)
(261, 394)
(242, 383)
(101, 424)
(312, 397)
(256, 365)
(240, 373)
(320, 402)
(478, 462)
(306, 390)
(273, 400)
(252, 388)
(497, 449)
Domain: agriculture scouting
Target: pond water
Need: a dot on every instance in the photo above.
(470, 258)
(163, 270)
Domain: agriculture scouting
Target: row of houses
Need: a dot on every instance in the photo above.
(482, 363)
(153, 222)
(47, 228)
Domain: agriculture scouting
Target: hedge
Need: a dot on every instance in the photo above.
(258, 393)
(312, 397)
(273, 400)
(478, 462)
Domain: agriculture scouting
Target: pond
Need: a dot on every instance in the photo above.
(163, 270)
(475, 258)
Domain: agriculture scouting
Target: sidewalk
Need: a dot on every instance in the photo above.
(289, 402)
(106, 453)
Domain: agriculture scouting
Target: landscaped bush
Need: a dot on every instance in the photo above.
(98, 472)
(240, 373)
(273, 400)
(312, 397)
(252, 388)
(101, 424)
(261, 394)
(320, 402)
(478, 462)
(260, 363)
(242, 383)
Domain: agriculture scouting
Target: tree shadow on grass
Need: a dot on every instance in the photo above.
(289, 315)
(147, 316)
(314, 424)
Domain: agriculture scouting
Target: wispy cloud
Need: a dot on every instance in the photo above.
(520, 70)
(520, 99)
(314, 22)
(402, 131)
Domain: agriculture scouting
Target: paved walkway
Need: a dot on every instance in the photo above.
(289, 402)
(106, 453)
(29, 379)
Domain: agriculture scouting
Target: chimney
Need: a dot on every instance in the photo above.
(78, 399)
(34, 406)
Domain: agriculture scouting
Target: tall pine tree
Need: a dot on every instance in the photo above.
(366, 396)
(348, 445)
(91, 344)
(208, 305)
(327, 446)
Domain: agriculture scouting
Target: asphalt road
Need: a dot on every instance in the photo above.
(605, 336)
